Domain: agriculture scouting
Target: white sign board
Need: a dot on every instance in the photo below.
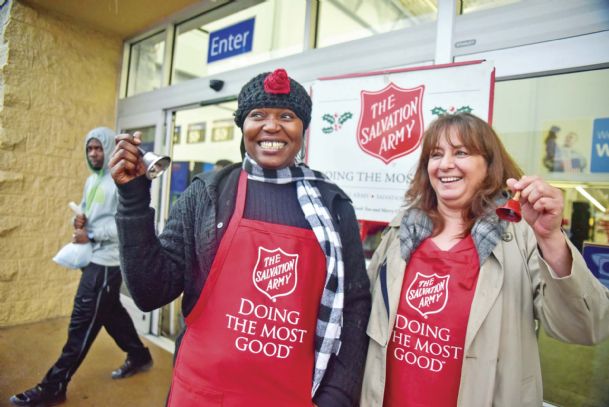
(366, 129)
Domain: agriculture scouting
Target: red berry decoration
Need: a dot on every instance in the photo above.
(277, 82)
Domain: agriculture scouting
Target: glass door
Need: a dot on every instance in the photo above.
(552, 115)
(556, 126)
(141, 320)
(203, 138)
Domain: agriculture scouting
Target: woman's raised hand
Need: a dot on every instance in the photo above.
(541, 204)
(126, 162)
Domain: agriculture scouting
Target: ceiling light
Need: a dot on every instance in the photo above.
(590, 198)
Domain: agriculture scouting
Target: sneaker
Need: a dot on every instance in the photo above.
(37, 396)
(130, 367)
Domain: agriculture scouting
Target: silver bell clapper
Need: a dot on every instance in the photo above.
(155, 164)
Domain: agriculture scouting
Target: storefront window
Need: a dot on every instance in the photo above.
(203, 139)
(146, 64)
(147, 136)
(471, 6)
(202, 136)
(267, 30)
(558, 127)
(347, 20)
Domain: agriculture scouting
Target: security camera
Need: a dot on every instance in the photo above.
(216, 84)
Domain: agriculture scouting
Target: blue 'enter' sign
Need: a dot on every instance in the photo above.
(230, 41)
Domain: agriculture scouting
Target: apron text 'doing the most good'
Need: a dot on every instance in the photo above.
(425, 353)
(250, 337)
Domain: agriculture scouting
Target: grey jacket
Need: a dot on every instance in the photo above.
(99, 202)
(515, 286)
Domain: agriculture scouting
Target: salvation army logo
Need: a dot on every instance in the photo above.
(275, 272)
(428, 294)
(391, 122)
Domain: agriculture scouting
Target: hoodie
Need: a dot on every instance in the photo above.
(99, 202)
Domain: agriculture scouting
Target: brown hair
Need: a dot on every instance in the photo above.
(479, 138)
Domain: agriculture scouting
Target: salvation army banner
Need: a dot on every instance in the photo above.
(366, 129)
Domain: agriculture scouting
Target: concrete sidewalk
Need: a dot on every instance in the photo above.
(28, 351)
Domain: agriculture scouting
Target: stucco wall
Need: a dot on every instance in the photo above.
(58, 80)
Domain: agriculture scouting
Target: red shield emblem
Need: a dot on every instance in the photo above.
(391, 122)
(428, 294)
(275, 272)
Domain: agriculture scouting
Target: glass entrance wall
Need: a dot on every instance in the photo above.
(204, 135)
(204, 138)
(347, 20)
(236, 34)
(201, 138)
(142, 320)
(148, 133)
(471, 6)
(265, 30)
(558, 127)
(146, 64)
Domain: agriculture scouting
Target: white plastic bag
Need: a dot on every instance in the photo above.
(74, 255)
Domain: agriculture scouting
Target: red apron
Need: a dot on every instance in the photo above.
(425, 353)
(250, 337)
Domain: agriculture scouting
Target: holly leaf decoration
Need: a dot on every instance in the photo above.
(438, 111)
(328, 118)
(464, 109)
(327, 130)
(344, 117)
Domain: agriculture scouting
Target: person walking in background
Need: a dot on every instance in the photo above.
(456, 291)
(267, 256)
(97, 302)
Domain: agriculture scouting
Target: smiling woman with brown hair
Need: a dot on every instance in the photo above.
(456, 291)
(268, 258)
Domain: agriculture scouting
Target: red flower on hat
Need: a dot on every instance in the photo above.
(277, 82)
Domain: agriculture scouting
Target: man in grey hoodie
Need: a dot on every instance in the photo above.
(97, 301)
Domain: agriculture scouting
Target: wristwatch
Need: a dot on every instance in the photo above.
(90, 236)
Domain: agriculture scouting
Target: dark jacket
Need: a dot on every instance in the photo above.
(158, 270)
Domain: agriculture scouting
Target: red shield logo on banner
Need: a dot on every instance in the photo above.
(275, 273)
(391, 122)
(428, 294)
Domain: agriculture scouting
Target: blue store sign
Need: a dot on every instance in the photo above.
(599, 161)
(597, 259)
(230, 41)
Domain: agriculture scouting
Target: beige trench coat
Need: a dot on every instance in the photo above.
(501, 365)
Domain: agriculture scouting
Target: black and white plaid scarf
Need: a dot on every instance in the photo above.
(330, 317)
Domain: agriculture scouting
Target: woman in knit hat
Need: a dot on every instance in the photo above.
(267, 256)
